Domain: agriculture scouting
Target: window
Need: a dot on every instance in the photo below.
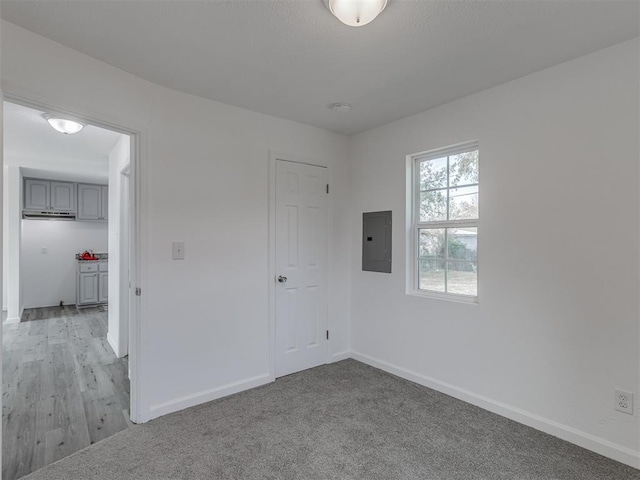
(445, 222)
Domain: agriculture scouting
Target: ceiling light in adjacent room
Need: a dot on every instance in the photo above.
(356, 13)
(340, 107)
(64, 125)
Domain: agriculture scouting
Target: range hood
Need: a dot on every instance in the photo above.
(47, 215)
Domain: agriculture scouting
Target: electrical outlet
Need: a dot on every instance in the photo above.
(624, 401)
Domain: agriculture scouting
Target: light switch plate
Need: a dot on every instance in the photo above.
(178, 250)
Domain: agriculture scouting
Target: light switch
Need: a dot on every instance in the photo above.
(44, 250)
(178, 250)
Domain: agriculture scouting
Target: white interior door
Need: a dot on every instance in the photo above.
(301, 267)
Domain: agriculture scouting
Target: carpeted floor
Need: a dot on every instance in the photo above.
(340, 421)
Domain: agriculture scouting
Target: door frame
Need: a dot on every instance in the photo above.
(124, 282)
(274, 156)
(138, 134)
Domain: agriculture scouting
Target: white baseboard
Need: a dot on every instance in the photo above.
(15, 319)
(208, 395)
(113, 343)
(336, 357)
(586, 440)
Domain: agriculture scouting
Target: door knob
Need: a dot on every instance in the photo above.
(282, 279)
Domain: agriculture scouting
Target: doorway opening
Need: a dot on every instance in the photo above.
(69, 257)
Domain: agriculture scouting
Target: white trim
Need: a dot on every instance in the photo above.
(337, 357)
(113, 344)
(13, 320)
(140, 411)
(124, 264)
(271, 273)
(208, 395)
(450, 150)
(586, 440)
(14, 183)
(274, 156)
(452, 297)
(139, 134)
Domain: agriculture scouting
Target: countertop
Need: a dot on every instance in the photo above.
(100, 257)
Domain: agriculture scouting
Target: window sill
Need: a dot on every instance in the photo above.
(450, 297)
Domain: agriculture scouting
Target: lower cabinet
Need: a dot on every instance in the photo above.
(103, 287)
(87, 289)
(92, 284)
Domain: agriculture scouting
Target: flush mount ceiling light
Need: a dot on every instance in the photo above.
(355, 13)
(64, 125)
(340, 107)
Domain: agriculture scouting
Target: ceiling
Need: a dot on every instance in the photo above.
(292, 58)
(30, 143)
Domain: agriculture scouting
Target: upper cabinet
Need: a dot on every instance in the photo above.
(93, 202)
(37, 194)
(63, 196)
(49, 195)
(53, 199)
(105, 202)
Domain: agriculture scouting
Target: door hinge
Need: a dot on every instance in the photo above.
(327, 334)
(327, 188)
(138, 291)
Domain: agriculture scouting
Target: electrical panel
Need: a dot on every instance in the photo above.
(376, 242)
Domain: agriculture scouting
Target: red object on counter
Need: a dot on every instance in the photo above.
(87, 255)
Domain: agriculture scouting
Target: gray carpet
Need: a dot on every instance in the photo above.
(340, 421)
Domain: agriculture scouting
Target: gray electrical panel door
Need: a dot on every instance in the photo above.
(376, 242)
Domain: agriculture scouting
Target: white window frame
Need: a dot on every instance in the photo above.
(414, 225)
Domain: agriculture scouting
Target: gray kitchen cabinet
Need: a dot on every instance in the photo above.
(45, 195)
(63, 196)
(103, 285)
(93, 202)
(37, 194)
(105, 202)
(87, 289)
(92, 283)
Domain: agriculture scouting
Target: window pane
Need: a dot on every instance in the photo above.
(433, 205)
(463, 168)
(431, 274)
(462, 277)
(463, 244)
(463, 203)
(433, 173)
(431, 243)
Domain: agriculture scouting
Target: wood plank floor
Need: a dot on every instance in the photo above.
(63, 388)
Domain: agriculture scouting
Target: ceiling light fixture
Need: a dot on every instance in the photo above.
(356, 13)
(64, 125)
(340, 107)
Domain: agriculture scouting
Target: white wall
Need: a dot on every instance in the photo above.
(556, 328)
(50, 277)
(204, 322)
(11, 250)
(5, 235)
(118, 158)
(4, 225)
